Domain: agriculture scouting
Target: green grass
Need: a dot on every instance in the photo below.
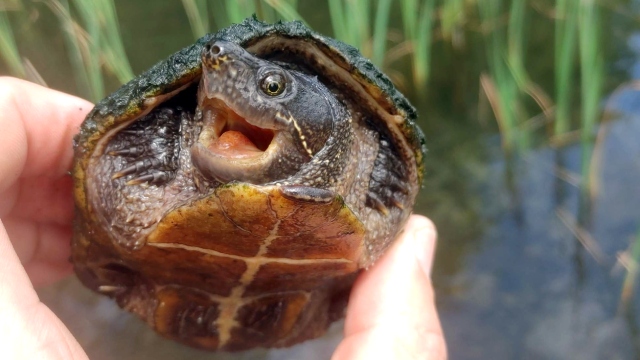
(93, 43)
(198, 15)
(8, 47)
(630, 279)
(564, 50)
(286, 9)
(452, 17)
(350, 21)
(418, 25)
(84, 70)
(592, 75)
(504, 95)
(94, 46)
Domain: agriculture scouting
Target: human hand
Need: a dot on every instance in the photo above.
(36, 211)
(391, 312)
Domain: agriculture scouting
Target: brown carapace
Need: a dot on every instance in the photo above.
(230, 195)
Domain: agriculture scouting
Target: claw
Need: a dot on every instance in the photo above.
(153, 178)
(137, 132)
(374, 200)
(132, 151)
(395, 202)
(137, 167)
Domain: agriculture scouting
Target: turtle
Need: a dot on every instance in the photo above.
(230, 195)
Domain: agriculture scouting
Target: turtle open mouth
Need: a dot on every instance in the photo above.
(227, 134)
(231, 148)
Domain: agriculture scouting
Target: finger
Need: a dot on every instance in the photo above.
(49, 200)
(29, 330)
(391, 311)
(43, 249)
(38, 125)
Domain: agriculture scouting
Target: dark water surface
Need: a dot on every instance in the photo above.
(512, 279)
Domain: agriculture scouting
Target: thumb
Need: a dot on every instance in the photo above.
(391, 313)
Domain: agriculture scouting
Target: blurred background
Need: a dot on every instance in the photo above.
(531, 109)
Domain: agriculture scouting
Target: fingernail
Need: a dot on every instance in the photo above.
(424, 242)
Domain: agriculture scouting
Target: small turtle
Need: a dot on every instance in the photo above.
(230, 195)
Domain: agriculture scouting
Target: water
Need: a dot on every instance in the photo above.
(512, 279)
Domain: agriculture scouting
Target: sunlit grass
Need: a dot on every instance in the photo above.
(116, 59)
(566, 17)
(350, 20)
(452, 17)
(630, 262)
(499, 85)
(76, 43)
(237, 10)
(507, 82)
(286, 9)
(8, 47)
(592, 75)
(418, 25)
(198, 15)
(93, 44)
(380, 30)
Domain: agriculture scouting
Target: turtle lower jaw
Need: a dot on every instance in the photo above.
(217, 165)
(230, 148)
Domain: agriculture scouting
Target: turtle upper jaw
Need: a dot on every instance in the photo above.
(231, 148)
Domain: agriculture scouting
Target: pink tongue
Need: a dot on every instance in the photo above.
(234, 144)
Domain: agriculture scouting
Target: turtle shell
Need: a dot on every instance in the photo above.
(232, 264)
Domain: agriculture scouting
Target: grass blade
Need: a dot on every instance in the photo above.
(359, 12)
(267, 13)
(422, 44)
(116, 57)
(238, 10)
(409, 10)
(505, 93)
(565, 40)
(8, 47)
(285, 9)
(75, 39)
(592, 75)
(91, 51)
(380, 29)
(452, 15)
(632, 273)
(198, 16)
(338, 21)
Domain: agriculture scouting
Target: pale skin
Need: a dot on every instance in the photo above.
(391, 312)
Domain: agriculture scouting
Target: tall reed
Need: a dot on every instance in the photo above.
(418, 26)
(452, 16)
(564, 50)
(76, 43)
(8, 48)
(592, 75)
(630, 279)
(504, 97)
(350, 21)
(94, 46)
(380, 30)
(198, 16)
(286, 9)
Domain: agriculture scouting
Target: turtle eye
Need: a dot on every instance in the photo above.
(273, 84)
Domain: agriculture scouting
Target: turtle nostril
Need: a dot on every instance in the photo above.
(215, 49)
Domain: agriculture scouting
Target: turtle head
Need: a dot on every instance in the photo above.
(261, 120)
